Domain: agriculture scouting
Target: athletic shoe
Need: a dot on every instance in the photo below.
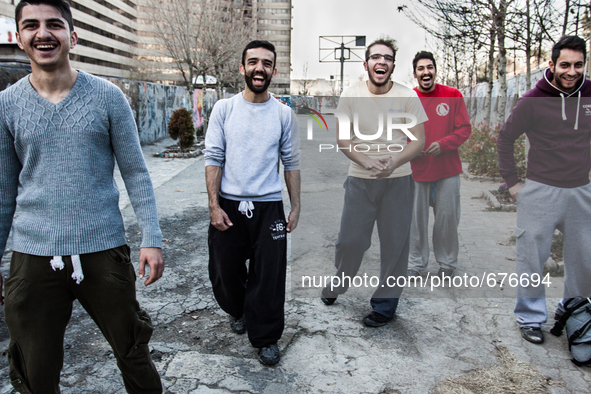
(445, 272)
(269, 355)
(375, 319)
(325, 299)
(532, 334)
(238, 325)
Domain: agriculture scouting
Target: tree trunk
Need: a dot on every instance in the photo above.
(528, 49)
(491, 69)
(566, 11)
(502, 66)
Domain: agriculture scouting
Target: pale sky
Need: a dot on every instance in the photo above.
(371, 18)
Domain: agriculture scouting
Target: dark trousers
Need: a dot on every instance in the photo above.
(39, 305)
(259, 291)
(388, 202)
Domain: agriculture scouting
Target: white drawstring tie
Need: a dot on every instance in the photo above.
(58, 264)
(246, 208)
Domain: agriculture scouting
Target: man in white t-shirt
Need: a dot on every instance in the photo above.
(380, 115)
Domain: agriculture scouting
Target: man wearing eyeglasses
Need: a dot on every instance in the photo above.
(379, 188)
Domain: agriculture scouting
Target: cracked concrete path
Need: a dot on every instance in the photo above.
(442, 340)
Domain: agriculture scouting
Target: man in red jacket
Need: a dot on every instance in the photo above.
(555, 115)
(436, 171)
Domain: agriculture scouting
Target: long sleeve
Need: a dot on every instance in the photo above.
(515, 125)
(290, 143)
(215, 144)
(9, 170)
(128, 153)
(462, 127)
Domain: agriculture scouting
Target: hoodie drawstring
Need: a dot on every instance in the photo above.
(246, 208)
(563, 96)
(578, 107)
(58, 264)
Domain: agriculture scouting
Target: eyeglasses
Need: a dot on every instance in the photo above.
(378, 56)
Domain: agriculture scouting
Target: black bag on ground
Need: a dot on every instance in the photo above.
(577, 320)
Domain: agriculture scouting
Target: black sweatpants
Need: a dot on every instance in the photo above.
(259, 291)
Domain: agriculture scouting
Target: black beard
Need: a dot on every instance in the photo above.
(248, 80)
(387, 80)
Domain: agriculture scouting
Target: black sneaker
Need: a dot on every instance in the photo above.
(375, 319)
(269, 355)
(238, 325)
(445, 272)
(532, 334)
(324, 297)
(412, 273)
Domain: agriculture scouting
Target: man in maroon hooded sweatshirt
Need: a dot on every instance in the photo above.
(556, 117)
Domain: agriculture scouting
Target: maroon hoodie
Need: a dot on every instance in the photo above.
(558, 126)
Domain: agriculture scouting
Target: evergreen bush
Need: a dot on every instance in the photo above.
(181, 127)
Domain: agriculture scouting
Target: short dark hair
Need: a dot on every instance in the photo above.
(575, 43)
(63, 6)
(390, 43)
(260, 44)
(423, 55)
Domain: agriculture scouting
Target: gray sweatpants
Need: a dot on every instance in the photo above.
(540, 210)
(389, 203)
(444, 196)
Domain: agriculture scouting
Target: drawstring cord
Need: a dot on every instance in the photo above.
(578, 107)
(563, 107)
(246, 208)
(58, 264)
(562, 96)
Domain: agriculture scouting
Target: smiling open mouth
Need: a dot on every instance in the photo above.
(45, 46)
(380, 71)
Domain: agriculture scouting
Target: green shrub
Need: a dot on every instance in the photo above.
(480, 152)
(181, 127)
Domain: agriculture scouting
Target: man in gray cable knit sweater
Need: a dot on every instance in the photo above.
(61, 131)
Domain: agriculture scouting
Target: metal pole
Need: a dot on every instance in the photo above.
(342, 63)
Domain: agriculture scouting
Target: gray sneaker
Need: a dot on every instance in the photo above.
(269, 355)
(238, 325)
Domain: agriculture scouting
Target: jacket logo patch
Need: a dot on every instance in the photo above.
(277, 230)
(442, 109)
(587, 109)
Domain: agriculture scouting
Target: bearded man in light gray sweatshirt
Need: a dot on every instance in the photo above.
(61, 131)
(246, 136)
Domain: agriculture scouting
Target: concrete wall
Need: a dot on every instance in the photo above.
(516, 87)
(152, 103)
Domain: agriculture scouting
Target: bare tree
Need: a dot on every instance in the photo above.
(305, 82)
(200, 37)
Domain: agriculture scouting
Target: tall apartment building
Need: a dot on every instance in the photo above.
(113, 36)
(107, 34)
(273, 23)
